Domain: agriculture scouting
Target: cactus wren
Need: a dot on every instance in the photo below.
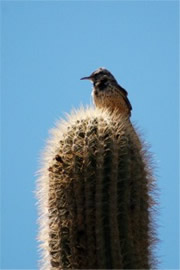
(107, 93)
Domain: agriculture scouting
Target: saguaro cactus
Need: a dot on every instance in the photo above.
(95, 195)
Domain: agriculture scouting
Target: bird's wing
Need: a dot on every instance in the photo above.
(124, 94)
(123, 90)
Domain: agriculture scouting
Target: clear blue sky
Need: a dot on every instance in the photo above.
(46, 47)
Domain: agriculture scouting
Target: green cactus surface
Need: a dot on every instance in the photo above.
(95, 195)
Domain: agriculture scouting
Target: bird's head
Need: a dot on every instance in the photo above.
(100, 75)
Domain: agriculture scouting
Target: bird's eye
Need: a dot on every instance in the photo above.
(96, 76)
(103, 83)
(104, 80)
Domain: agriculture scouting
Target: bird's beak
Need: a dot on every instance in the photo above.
(86, 78)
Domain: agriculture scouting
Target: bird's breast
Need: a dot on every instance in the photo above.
(110, 99)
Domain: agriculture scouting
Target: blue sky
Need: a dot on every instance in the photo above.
(46, 47)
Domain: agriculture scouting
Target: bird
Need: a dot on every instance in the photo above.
(107, 93)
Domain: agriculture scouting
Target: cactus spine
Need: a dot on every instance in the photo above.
(95, 195)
